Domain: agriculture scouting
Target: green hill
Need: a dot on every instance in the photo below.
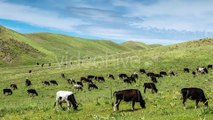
(63, 45)
(17, 49)
(45, 47)
(138, 45)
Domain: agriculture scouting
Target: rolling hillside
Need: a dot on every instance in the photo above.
(138, 45)
(46, 47)
(16, 48)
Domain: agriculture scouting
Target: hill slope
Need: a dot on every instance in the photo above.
(63, 45)
(138, 45)
(15, 48)
(45, 47)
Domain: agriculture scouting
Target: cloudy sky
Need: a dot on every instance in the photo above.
(149, 21)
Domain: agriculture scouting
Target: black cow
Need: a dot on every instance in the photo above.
(13, 86)
(37, 63)
(99, 78)
(42, 65)
(171, 73)
(149, 74)
(209, 66)
(53, 82)
(134, 75)
(128, 95)
(186, 70)
(157, 75)
(193, 73)
(32, 92)
(8, 91)
(30, 71)
(80, 83)
(111, 76)
(45, 83)
(122, 76)
(71, 81)
(90, 77)
(63, 75)
(154, 79)
(163, 73)
(129, 80)
(150, 86)
(28, 82)
(92, 85)
(196, 94)
(142, 71)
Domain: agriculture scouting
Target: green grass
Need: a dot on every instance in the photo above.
(96, 104)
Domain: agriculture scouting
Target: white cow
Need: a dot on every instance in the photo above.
(65, 97)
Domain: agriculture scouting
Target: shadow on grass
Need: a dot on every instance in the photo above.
(128, 110)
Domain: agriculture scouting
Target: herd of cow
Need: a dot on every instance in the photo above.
(133, 95)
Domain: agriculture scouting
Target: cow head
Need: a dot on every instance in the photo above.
(205, 102)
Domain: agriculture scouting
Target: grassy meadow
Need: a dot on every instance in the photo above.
(97, 104)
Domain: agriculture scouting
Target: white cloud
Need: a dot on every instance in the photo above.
(191, 15)
(38, 17)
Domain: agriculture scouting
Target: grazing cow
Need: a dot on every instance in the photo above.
(90, 77)
(30, 71)
(71, 81)
(154, 79)
(14, 86)
(209, 66)
(171, 73)
(122, 76)
(92, 85)
(193, 73)
(128, 95)
(80, 83)
(53, 82)
(99, 78)
(186, 70)
(163, 73)
(202, 70)
(78, 87)
(42, 65)
(129, 80)
(196, 94)
(149, 74)
(111, 76)
(157, 75)
(32, 92)
(28, 82)
(62, 75)
(45, 83)
(67, 97)
(150, 86)
(8, 91)
(142, 71)
(37, 63)
(134, 75)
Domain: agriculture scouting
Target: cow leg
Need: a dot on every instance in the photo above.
(196, 104)
(133, 104)
(145, 90)
(184, 105)
(116, 106)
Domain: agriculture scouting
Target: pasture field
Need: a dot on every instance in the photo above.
(97, 104)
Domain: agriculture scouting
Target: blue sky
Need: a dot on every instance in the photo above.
(149, 21)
